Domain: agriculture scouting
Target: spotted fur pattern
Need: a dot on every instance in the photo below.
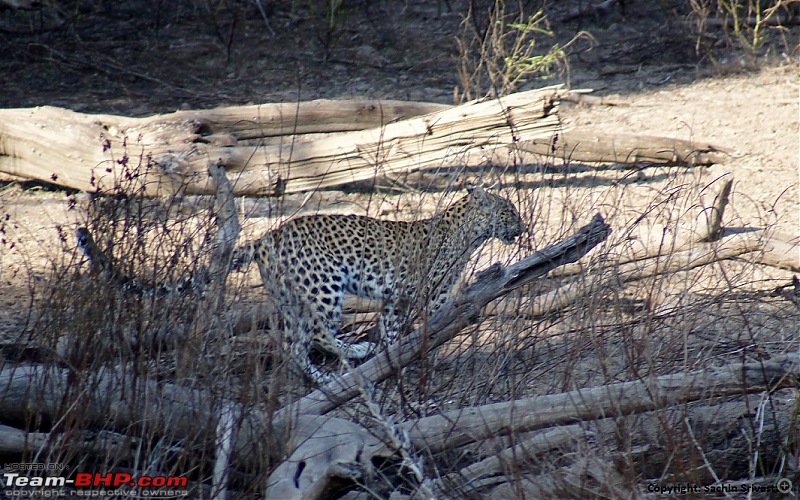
(312, 261)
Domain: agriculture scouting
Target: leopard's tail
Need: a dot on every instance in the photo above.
(243, 256)
(101, 263)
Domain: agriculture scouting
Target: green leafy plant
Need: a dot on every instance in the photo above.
(498, 55)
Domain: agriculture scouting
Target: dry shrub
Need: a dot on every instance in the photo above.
(689, 320)
(744, 24)
(500, 48)
(96, 326)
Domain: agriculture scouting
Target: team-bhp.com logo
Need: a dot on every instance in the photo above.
(94, 480)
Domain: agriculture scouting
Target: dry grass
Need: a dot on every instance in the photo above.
(615, 332)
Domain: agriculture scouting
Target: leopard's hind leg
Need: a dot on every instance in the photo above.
(311, 302)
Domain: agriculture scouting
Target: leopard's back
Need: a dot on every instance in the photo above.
(370, 255)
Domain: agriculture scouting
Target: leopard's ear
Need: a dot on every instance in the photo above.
(477, 192)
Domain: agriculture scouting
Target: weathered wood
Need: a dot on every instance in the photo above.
(699, 255)
(717, 210)
(39, 390)
(587, 477)
(4, 177)
(326, 449)
(14, 441)
(169, 154)
(596, 147)
(75, 149)
(283, 148)
(459, 427)
(180, 411)
(527, 448)
(780, 250)
(83, 151)
(728, 434)
(294, 118)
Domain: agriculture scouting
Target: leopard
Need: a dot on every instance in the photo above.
(311, 261)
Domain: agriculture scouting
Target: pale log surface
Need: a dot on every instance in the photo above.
(273, 149)
(462, 426)
(179, 411)
(43, 142)
(89, 152)
(781, 250)
(598, 147)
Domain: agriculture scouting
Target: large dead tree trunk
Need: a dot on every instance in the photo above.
(84, 151)
(169, 153)
(458, 427)
(288, 148)
(598, 147)
(43, 142)
(182, 413)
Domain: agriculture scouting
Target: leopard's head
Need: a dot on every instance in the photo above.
(496, 217)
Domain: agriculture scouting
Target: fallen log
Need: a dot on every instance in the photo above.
(723, 433)
(14, 441)
(780, 250)
(326, 450)
(104, 402)
(588, 477)
(528, 447)
(168, 154)
(466, 425)
(295, 147)
(598, 147)
(183, 413)
(456, 428)
(76, 150)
